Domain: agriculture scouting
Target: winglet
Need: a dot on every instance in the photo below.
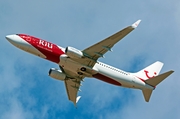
(136, 24)
(77, 99)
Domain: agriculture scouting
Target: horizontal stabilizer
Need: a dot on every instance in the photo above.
(156, 80)
(147, 94)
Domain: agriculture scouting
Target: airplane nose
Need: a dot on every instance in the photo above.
(10, 38)
(14, 39)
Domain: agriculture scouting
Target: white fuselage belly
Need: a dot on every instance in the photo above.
(124, 78)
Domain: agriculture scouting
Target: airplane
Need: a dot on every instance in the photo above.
(75, 65)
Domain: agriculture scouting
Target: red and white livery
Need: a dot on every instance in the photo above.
(75, 64)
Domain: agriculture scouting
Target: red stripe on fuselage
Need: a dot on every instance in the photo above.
(50, 50)
(106, 79)
(141, 79)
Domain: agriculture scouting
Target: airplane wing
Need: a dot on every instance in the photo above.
(99, 49)
(73, 81)
(72, 86)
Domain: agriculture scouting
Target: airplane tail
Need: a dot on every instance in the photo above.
(150, 71)
(154, 82)
(150, 75)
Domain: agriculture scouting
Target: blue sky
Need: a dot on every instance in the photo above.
(26, 90)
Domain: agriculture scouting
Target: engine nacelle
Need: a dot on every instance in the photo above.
(73, 53)
(57, 74)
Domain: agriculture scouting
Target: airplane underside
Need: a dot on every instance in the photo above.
(75, 64)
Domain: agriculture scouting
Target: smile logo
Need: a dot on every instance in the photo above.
(146, 72)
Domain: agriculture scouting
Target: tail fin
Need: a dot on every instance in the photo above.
(154, 82)
(150, 71)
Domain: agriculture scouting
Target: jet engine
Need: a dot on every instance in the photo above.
(73, 53)
(57, 74)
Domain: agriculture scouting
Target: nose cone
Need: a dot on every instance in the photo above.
(10, 37)
(14, 39)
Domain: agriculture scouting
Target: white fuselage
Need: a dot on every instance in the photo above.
(100, 70)
(125, 79)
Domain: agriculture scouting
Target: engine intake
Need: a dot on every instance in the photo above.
(57, 74)
(73, 52)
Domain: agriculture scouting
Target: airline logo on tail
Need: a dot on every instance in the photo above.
(147, 75)
(150, 71)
